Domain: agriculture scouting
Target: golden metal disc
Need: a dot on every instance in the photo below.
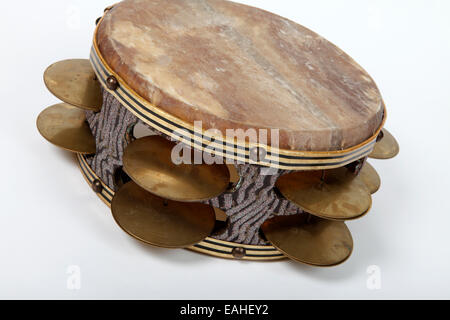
(74, 82)
(370, 178)
(65, 126)
(386, 148)
(159, 222)
(148, 161)
(309, 239)
(330, 194)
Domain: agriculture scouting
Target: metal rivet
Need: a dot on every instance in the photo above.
(112, 83)
(97, 186)
(258, 154)
(98, 20)
(239, 253)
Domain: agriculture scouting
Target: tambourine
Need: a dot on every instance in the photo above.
(257, 130)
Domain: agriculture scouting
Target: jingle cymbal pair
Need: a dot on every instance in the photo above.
(157, 206)
(320, 237)
(64, 125)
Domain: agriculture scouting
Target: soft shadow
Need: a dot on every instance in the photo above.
(334, 274)
(175, 256)
(38, 147)
(67, 156)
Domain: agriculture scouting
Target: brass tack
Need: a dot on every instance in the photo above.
(112, 83)
(97, 186)
(239, 253)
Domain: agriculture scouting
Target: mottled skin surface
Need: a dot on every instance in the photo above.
(237, 67)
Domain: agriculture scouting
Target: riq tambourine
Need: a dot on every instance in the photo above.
(204, 78)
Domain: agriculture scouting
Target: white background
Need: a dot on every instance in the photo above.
(50, 219)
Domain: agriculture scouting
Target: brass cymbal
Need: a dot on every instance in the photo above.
(149, 163)
(159, 222)
(309, 239)
(74, 82)
(65, 126)
(370, 178)
(386, 148)
(330, 194)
